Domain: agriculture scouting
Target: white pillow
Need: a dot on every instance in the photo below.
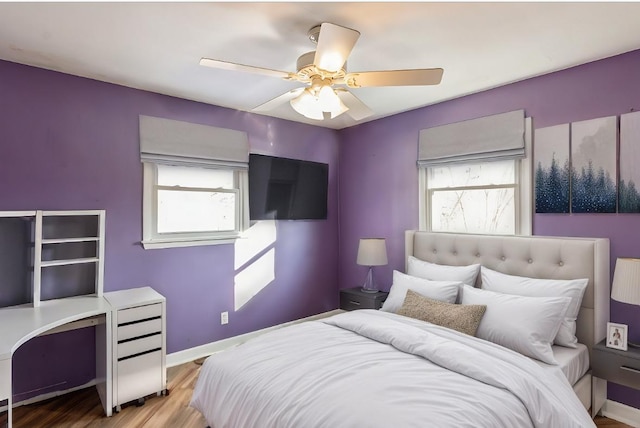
(525, 324)
(434, 272)
(532, 287)
(436, 290)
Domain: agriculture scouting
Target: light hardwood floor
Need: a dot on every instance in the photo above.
(83, 409)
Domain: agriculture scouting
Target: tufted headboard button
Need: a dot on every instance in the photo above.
(561, 264)
(530, 261)
(503, 258)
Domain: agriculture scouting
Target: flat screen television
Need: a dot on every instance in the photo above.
(287, 189)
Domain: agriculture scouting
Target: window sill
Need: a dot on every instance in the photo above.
(157, 244)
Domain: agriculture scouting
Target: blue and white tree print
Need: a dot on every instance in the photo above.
(628, 193)
(593, 166)
(552, 172)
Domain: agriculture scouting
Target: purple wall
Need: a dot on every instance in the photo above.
(72, 143)
(379, 179)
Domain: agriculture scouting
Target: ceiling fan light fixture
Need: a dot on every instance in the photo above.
(329, 101)
(307, 105)
(314, 106)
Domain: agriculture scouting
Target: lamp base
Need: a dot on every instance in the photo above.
(369, 285)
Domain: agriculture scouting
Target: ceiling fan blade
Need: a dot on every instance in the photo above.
(357, 109)
(232, 66)
(334, 46)
(426, 76)
(279, 100)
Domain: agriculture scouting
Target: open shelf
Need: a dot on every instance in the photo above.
(69, 262)
(67, 240)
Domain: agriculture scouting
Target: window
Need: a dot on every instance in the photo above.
(192, 205)
(195, 183)
(473, 197)
(484, 192)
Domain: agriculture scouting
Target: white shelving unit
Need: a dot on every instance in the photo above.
(43, 241)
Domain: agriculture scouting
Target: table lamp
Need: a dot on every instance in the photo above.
(626, 283)
(371, 252)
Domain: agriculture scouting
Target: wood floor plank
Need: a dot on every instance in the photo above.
(82, 409)
(609, 423)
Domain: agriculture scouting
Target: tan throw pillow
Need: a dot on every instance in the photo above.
(463, 318)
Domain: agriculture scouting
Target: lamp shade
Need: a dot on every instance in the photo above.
(372, 252)
(307, 105)
(314, 101)
(626, 281)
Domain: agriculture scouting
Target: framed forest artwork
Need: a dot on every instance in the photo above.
(628, 196)
(593, 165)
(552, 169)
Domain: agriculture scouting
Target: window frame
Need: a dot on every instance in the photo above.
(154, 240)
(523, 191)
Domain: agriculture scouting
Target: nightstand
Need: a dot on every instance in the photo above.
(613, 365)
(355, 298)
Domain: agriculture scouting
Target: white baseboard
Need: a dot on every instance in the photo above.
(622, 413)
(48, 395)
(191, 354)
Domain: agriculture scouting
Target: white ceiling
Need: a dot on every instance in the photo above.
(157, 46)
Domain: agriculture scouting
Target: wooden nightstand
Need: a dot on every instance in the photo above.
(613, 365)
(355, 298)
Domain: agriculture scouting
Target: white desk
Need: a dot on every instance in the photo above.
(18, 324)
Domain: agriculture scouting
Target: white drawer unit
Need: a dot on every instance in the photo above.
(138, 375)
(139, 344)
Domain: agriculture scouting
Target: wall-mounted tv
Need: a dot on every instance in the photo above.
(287, 189)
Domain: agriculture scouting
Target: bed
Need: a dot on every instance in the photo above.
(537, 257)
(379, 369)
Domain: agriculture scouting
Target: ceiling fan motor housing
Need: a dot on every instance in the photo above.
(307, 70)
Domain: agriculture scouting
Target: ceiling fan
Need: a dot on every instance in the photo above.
(325, 68)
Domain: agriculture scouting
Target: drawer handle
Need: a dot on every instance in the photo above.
(630, 369)
(139, 337)
(139, 354)
(353, 302)
(139, 321)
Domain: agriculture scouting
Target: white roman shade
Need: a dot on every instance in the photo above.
(181, 143)
(496, 137)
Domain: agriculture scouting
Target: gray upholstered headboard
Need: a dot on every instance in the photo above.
(534, 257)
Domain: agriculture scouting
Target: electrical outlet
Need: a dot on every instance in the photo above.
(224, 318)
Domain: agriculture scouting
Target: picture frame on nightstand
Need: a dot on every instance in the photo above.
(617, 336)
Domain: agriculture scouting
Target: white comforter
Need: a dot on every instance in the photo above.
(377, 369)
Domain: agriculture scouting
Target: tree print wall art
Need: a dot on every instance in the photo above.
(552, 171)
(593, 165)
(628, 196)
